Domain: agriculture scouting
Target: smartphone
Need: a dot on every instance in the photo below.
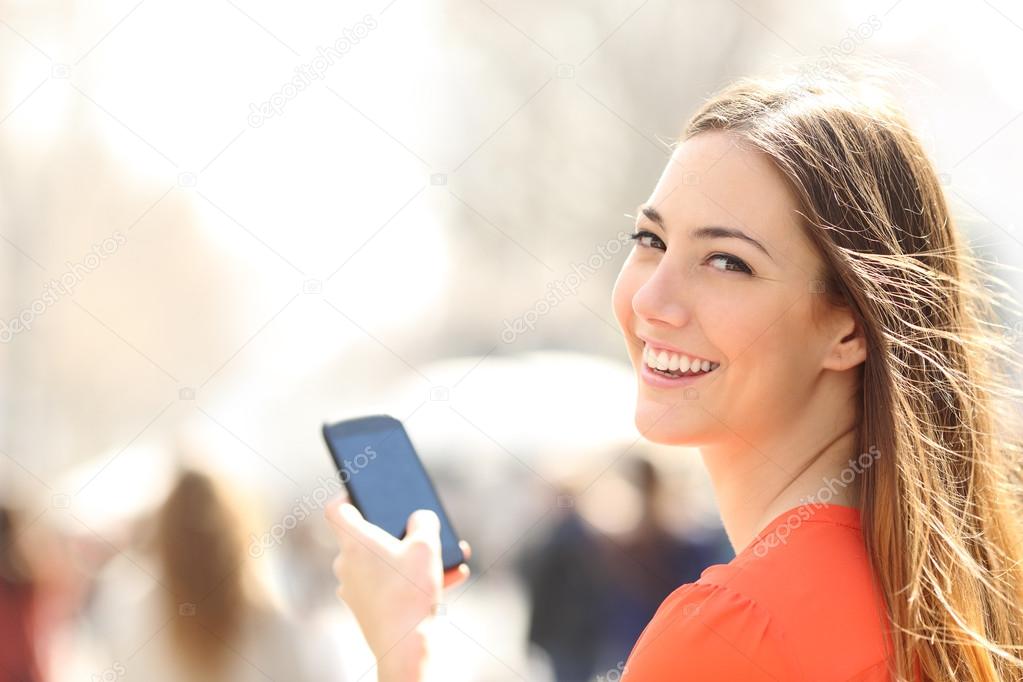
(385, 478)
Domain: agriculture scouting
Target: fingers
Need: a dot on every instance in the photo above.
(456, 576)
(340, 498)
(331, 509)
(460, 573)
(423, 527)
(355, 532)
(423, 523)
(343, 518)
(349, 526)
(429, 525)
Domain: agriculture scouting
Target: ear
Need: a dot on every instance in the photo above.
(848, 346)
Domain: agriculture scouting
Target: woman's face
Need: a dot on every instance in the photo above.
(722, 278)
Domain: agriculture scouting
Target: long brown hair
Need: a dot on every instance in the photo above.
(941, 507)
(201, 548)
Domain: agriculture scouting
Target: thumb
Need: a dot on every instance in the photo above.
(424, 526)
(349, 525)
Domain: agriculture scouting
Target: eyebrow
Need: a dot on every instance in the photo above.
(706, 232)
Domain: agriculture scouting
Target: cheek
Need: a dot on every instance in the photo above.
(731, 320)
(772, 349)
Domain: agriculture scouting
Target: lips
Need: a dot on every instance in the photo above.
(670, 363)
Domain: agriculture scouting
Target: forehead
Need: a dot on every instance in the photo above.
(716, 178)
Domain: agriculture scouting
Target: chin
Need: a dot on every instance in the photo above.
(682, 424)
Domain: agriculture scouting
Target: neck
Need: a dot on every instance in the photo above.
(754, 485)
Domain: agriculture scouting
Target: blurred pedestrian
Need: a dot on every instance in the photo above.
(204, 617)
(19, 592)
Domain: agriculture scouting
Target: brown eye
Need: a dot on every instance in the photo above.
(726, 262)
(648, 239)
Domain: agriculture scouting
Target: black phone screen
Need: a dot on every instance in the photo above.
(385, 478)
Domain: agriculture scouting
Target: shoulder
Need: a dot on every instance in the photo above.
(710, 632)
(799, 603)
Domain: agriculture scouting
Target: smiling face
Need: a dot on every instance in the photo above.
(723, 278)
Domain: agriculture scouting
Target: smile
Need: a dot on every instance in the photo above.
(671, 364)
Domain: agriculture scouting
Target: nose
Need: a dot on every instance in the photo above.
(661, 301)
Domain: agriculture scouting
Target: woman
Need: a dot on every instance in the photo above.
(800, 307)
(202, 615)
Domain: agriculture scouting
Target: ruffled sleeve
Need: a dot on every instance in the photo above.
(705, 632)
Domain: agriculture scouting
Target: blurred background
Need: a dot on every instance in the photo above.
(223, 223)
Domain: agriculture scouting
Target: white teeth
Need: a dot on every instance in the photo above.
(662, 360)
(665, 361)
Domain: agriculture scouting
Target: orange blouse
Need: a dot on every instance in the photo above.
(798, 603)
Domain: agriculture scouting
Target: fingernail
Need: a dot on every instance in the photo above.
(428, 516)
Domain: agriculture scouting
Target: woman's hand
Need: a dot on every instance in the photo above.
(392, 586)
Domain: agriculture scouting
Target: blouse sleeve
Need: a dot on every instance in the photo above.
(705, 632)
